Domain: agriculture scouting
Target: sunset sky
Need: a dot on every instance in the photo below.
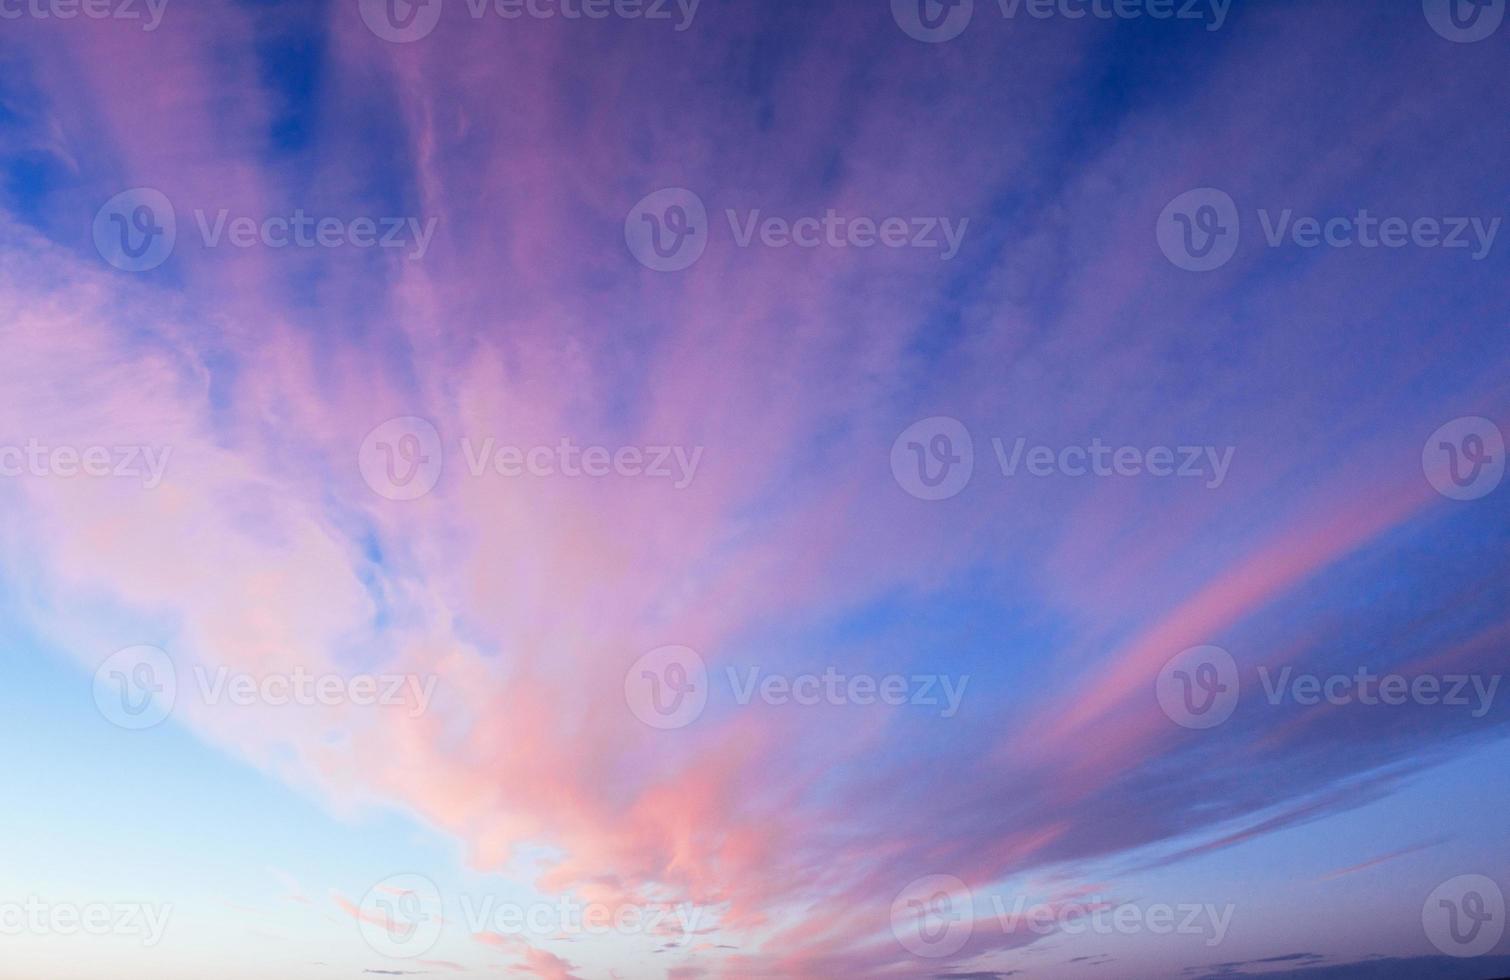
(839, 489)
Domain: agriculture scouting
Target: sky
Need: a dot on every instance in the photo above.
(636, 489)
